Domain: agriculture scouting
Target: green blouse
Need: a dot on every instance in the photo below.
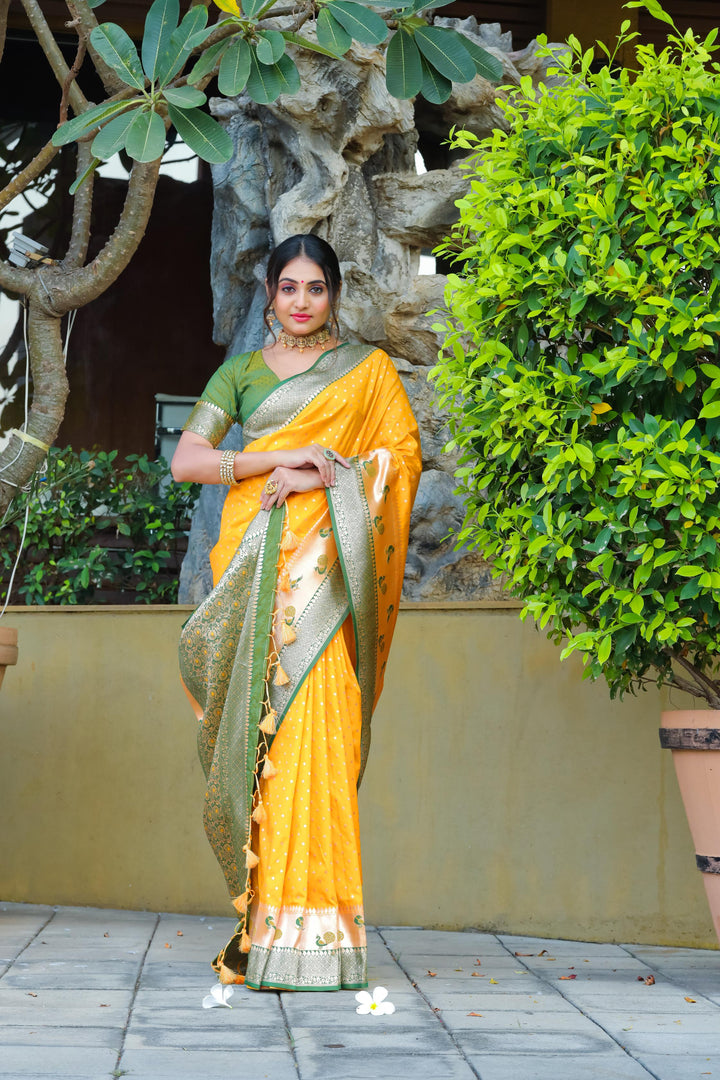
(232, 394)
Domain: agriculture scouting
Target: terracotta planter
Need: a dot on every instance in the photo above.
(694, 738)
(8, 649)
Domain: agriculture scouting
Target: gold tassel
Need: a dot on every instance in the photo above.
(251, 859)
(288, 634)
(269, 769)
(240, 903)
(259, 815)
(245, 942)
(281, 679)
(289, 541)
(267, 724)
(227, 976)
(283, 581)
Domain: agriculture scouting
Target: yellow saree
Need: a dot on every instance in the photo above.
(284, 662)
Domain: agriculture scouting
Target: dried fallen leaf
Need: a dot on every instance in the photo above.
(494, 981)
(106, 934)
(640, 978)
(543, 952)
(458, 969)
(432, 974)
(650, 980)
(179, 933)
(526, 954)
(568, 976)
(475, 1014)
(168, 945)
(478, 963)
(31, 994)
(104, 1006)
(477, 975)
(691, 1000)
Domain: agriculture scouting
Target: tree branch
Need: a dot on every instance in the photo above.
(706, 688)
(71, 77)
(82, 212)
(52, 51)
(31, 171)
(14, 279)
(80, 286)
(4, 8)
(50, 390)
(84, 22)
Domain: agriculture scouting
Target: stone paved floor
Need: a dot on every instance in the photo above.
(90, 994)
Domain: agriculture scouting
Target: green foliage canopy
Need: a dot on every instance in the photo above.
(582, 368)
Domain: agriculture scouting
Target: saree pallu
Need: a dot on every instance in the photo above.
(284, 662)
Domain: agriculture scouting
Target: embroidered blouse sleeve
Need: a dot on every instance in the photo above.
(217, 409)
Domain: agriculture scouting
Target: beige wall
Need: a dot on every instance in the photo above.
(502, 792)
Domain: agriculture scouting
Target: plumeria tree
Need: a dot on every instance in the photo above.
(250, 47)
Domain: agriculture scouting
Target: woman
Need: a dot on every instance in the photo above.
(284, 661)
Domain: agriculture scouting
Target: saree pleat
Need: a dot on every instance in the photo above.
(297, 698)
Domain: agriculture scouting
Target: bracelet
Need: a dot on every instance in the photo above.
(227, 468)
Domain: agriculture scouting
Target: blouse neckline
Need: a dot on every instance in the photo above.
(281, 382)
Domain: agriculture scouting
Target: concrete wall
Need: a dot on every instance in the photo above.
(502, 792)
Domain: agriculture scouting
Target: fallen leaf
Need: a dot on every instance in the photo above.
(478, 963)
(543, 952)
(335, 1046)
(458, 969)
(568, 976)
(104, 1006)
(179, 933)
(650, 980)
(691, 1000)
(432, 974)
(31, 994)
(494, 981)
(477, 975)
(437, 1009)
(525, 954)
(106, 934)
(640, 978)
(168, 945)
(571, 967)
(475, 1014)
(521, 972)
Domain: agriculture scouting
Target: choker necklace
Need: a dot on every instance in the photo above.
(289, 341)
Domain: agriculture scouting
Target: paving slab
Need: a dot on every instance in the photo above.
(161, 1064)
(614, 1065)
(442, 942)
(350, 1064)
(81, 1062)
(60, 1008)
(692, 1067)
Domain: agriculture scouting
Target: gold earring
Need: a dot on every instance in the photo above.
(271, 318)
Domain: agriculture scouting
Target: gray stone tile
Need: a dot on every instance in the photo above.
(343, 1063)
(691, 1067)
(59, 974)
(220, 1031)
(49, 1061)
(338, 1010)
(159, 1064)
(660, 1000)
(57, 1008)
(174, 974)
(610, 1066)
(686, 1021)
(443, 943)
(555, 946)
(552, 1043)
(67, 1035)
(500, 983)
(172, 1005)
(543, 1002)
(513, 1022)
(375, 1036)
(672, 1043)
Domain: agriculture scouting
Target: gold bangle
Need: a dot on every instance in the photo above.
(227, 468)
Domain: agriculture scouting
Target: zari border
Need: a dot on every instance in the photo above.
(287, 401)
(352, 524)
(210, 421)
(306, 969)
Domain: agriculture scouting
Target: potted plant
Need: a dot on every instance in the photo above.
(582, 376)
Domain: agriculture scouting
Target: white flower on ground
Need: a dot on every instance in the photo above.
(374, 1003)
(218, 996)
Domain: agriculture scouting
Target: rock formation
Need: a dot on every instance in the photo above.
(338, 159)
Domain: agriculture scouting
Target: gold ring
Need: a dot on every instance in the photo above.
(329, 454)
(271, 487)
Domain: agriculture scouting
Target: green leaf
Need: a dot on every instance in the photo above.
(160, 23)
(81, 179)
(710, 411)
(435, 87)
(264, 83)
(146, 136)
(117, 50)
(270, 46)
(252, 7)
(95, 3)
(486, 64)
(331, 34)
(363, 25)
(288, 74)
(110, 140)
(202, 134)
(85, 122)
(208, 60)
(234, 68)
(185, 97)
(403, 66)
(296, 39)
(654, 8)
(445, 51)
(182, 42)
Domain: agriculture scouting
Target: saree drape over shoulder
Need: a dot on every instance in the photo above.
(284, 661)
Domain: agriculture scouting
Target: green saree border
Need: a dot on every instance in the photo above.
(349, 510)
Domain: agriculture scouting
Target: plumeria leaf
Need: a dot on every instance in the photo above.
(209, 59)
(288, 74)
(264, 84)
(403, 68)
(230, 6)
(188, 35)
(160, 23)
(252, 7)
(270, 46)
(186, 97)
(331, 34)
(117, 50)
(85, 122)
(202, 134)
(364, 25)
(486, 64)
(110, 140)
(295, 39)
(234, 68)
(81, 179)
(435, 87)
(445, 51)
(146, 136)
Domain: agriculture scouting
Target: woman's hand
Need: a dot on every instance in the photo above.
(289, 480)
(313, 457)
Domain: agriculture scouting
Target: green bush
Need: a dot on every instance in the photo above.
(98, 532)
(581, 365)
